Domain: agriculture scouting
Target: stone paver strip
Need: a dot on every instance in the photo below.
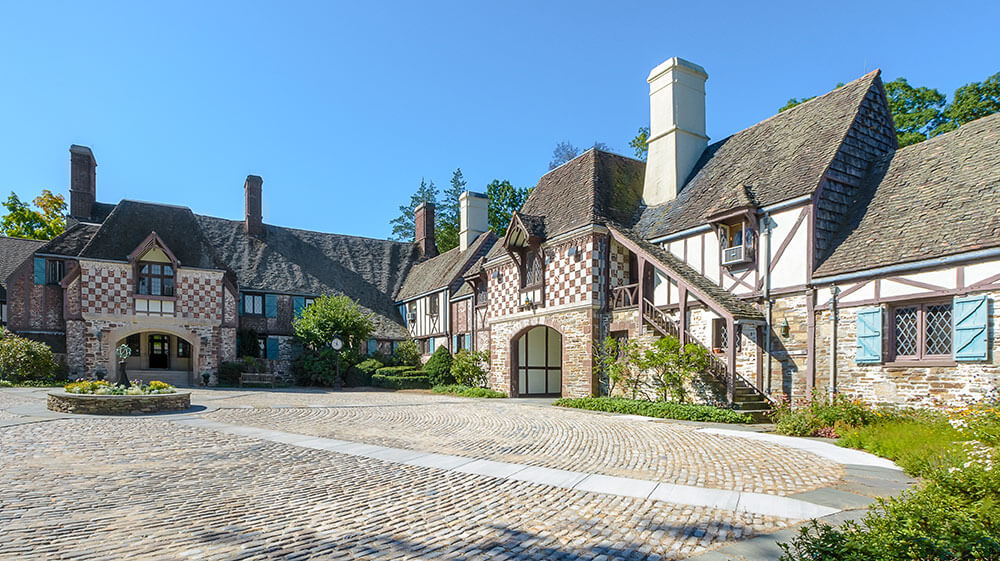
(146, 488)
(845, 456)
(553, 438)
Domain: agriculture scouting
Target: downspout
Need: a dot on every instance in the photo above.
(834, 291)
(766, 222)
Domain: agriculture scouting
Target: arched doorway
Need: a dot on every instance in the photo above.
(159, 355)
(539, 363)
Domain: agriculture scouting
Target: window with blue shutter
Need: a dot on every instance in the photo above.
(869, 335)
(430, 346)
(271, 305)
(372, 346)
(468, 341)
(298, 303)
(971, 334)
(272, 348)
(39, 270)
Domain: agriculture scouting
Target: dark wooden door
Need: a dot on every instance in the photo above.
(159, 351)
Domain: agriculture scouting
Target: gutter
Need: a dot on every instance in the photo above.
(951, 259)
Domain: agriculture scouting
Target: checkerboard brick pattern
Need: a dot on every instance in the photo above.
(503, 290)
(199, 295)
(570, 279)
(619, 265)
(106, 288)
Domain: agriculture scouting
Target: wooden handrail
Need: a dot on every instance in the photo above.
(626, 296)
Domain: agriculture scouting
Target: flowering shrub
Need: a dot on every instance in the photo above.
(100, 387)
(823, 416)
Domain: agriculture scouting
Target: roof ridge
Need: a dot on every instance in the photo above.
(399, 242)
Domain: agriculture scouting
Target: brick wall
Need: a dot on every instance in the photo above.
(30, 306)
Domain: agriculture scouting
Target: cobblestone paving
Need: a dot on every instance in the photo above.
(506, 430)
(145, 488)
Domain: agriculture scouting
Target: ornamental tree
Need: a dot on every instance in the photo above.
(673, 366)
(336, 315)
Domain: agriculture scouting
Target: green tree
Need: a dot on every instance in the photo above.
(917, 111)
(407, 353)
(21, 221)
(333, 315)
(504, 199)
(448, 215)
(673, 366)
(640, 144)
(616, 364)
(467, 368)
(403, 225)
(971, 102)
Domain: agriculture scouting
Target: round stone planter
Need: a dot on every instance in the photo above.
(89, 404)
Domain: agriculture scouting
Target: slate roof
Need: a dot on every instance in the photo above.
(735, 305)
(932, 199)
(72, 241)
(778, 159)
(294, 261)
(594, 188)
(13, 252)
(442, 271)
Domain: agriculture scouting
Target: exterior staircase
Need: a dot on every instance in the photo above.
(747, 398)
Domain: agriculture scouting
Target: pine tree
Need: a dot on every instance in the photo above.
(403, 225)
(449, 214)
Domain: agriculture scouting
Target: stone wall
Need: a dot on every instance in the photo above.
(926, 386)
(789, 354)
(86, 404)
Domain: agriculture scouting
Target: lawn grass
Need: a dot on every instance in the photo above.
(658, 409)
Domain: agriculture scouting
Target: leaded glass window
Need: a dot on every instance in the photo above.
(922, 331)
(938, 331)
(906, 331)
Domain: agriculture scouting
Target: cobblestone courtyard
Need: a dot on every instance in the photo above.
(166, 487)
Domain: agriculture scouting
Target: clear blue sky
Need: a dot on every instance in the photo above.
(343, 107)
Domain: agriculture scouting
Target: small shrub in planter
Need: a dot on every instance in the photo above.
(361, 374)
(438, 367)
(401, 382)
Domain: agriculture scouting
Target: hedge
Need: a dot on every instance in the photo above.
(401, 382)
(660, 409)
(394, 370)
(466, 391)
(361, 374)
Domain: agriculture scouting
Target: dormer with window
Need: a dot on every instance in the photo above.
(155, 278)
(523, 243)
(736, 228)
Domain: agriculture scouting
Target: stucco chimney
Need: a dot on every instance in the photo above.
(473, 218)
(423, 222)
(252, 195)
(82, 182)
(676, 127)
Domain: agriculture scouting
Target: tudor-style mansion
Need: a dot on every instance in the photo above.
(805, 252)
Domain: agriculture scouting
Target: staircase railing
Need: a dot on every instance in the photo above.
(626, 296)
(658, 319)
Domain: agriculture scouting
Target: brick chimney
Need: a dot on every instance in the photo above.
(82, 182)
(676, 128)
(473, 218)
(252, 195)
(423, 218)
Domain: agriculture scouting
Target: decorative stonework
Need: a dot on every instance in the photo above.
(84, 404)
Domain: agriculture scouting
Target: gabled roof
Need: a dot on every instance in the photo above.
(593, 188)
(293, 261)
(131, 223)
(780, 158)
(13, 252)
(444, 270)
(932, 199)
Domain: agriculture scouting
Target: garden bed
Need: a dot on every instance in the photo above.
(659, 409)
(90, 404)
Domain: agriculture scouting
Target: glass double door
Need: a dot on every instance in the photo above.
(539, 363)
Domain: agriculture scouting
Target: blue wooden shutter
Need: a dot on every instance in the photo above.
(272, 348)
(869, 348)
(39, 270)
(430, 346)
(298, 303)
(240, 303)
(971, 337)
(468, 342)
(271, 305)
(372, 346)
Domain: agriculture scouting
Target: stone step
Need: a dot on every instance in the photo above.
(751, 405)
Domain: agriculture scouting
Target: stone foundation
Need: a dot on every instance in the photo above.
(88, 404)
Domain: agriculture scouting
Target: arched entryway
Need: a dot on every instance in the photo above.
(159, 355)
(538, 362)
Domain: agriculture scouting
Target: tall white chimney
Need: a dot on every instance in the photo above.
(676, 127)
(473, 218)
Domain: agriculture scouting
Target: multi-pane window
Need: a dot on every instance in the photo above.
(133, 342)
(253, 304)
(3, 314)
(306, 302)
(432, 307)
(720, 335)
(411, 311)
(156, 279)
(481, 293)
(922, 330)
(55, 270)
(531, 269)
(183, 348)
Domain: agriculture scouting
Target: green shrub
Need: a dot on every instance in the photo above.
(801, 422)
(466, 391)
(23, 359)
(467, 369)
(438, 367)
(401, 382)
(361, 374)
(407, 353)
(394, 370)
(229, 372)
(661, 409)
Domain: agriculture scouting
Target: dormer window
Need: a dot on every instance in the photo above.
(733, 242)
(156, 279)
(531, 269)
